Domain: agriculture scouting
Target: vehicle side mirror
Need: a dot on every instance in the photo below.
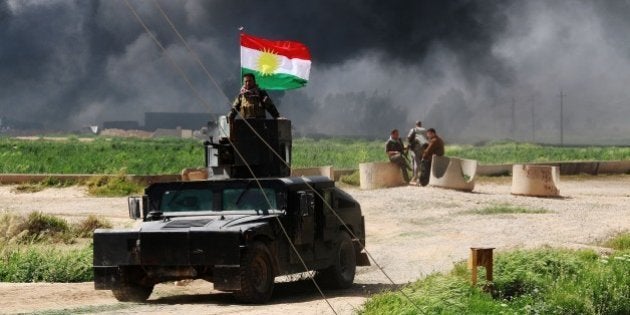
(134, 207)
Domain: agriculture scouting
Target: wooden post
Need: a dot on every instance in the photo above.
(480, 256)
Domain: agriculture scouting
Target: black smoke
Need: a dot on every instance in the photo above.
(377, 65)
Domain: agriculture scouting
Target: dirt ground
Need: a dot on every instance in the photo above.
(411, 232)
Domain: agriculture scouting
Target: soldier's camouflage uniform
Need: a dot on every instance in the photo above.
(398, 159)
(252, 104)
(417, 140)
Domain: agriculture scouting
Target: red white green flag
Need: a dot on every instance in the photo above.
(277, 65)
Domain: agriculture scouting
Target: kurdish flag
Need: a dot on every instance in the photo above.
(277, 65)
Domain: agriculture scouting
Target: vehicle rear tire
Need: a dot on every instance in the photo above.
(132, 293)
(257, 277)
(341, 274)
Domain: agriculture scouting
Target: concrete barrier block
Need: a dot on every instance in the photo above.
(380, 175)
(453, 173)
(191, 174)
(535, 180)
(314, 171)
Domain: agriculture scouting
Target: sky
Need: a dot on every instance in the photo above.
(476, 71)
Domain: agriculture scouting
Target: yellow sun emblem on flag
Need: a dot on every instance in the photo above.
(267, 62)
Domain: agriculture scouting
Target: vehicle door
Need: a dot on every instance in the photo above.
(304, 227)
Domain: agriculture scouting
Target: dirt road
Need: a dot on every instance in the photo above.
(411, 231)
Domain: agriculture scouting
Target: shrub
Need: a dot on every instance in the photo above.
(113, 186)
(27, 188)
(86, 227)
(620, 241)
(11, 225)
(43, 228)
(57, 182)
(39, 227)
(351, 179)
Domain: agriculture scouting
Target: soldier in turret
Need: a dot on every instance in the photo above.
(252, 102)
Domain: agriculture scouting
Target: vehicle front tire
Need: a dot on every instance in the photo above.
(341, 274)
(257, 277)
(132, 293)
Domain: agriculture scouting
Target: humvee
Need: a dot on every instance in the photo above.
(235, 231)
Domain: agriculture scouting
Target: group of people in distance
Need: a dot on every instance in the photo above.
(423, 145)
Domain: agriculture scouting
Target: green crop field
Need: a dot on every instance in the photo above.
(101, 156)
(170, 156)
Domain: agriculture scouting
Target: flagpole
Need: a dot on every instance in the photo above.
(241, 31)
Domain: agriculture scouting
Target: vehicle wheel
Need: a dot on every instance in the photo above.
(257, 276)
(132, 293)
(341, 274)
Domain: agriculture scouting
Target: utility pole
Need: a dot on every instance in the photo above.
(562, 95)
(533, 121)
(513, 120)
(514, 128)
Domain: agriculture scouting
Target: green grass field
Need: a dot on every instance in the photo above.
(538, 281)
(170, 156)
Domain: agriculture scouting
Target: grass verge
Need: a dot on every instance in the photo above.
(92, 309)
(49, 182)
(26, 254)
(505, 209)
(43, 263)
(541, 281)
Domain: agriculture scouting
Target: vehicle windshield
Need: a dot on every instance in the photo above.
(247, 198)
(251, 198)
(186, 200)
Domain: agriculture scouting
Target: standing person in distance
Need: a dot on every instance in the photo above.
(435, 147)
(417, 142)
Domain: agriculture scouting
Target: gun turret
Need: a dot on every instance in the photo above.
(238, 145)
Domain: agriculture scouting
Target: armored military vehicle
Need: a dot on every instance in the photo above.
(237, 231)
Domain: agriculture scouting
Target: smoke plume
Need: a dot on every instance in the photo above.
(474, 70)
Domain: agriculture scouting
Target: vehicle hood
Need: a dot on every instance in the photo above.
(209, 223)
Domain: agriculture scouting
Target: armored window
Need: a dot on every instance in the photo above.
(251, 198)
(186, 200)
